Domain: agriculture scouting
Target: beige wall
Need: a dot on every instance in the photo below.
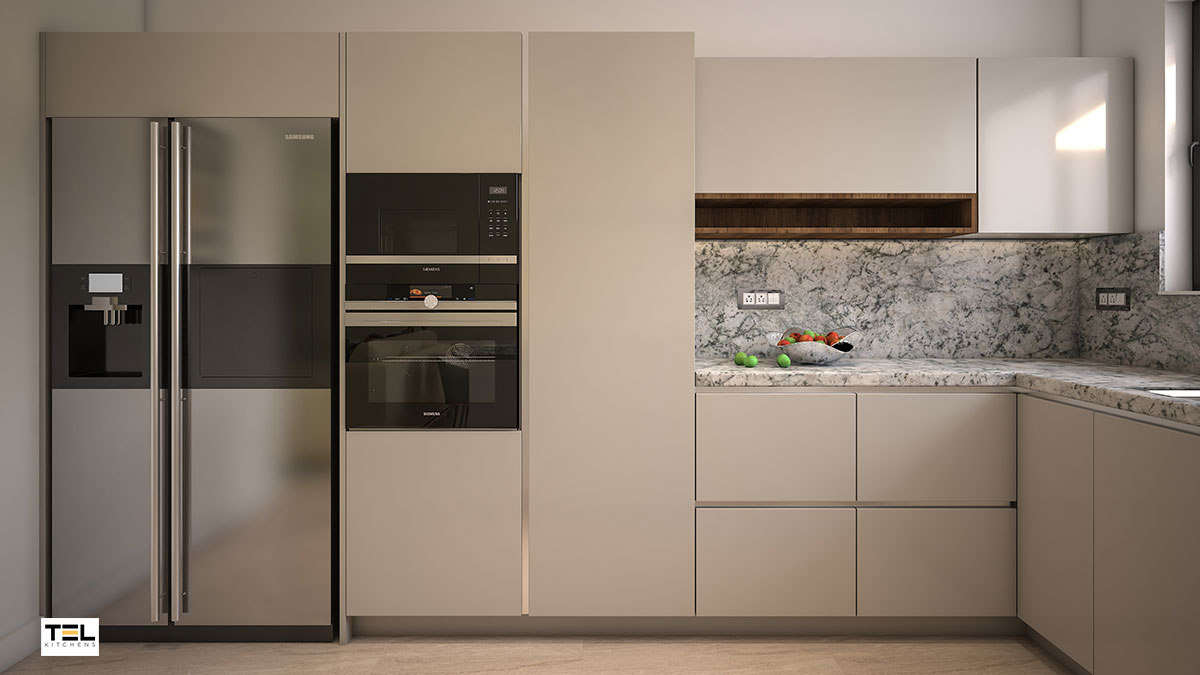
(723, 28)
(20, 22)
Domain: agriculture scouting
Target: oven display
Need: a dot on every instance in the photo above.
(441, 292)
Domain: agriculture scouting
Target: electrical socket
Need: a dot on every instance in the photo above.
(755, 299)
(1113, 299)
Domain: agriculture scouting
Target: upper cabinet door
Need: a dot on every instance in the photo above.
(191, 74)
(1055, 146)
(842, 125)
(433, 102)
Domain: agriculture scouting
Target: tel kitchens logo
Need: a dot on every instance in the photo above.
(70, 637)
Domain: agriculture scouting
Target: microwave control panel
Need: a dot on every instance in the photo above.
(499, 213)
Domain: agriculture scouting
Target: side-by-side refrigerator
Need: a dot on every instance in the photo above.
(191, 325)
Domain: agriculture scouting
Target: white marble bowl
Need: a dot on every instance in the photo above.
(816, 353)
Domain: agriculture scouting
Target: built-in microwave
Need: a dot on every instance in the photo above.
(451, 218)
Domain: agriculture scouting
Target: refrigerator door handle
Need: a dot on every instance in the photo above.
(156, 504)
(178, 209)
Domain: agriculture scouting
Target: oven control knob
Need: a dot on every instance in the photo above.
(431, 301)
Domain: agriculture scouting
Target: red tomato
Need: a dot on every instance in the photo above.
(805, 338)
(832, 338)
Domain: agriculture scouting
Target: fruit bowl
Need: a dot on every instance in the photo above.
(816, 353)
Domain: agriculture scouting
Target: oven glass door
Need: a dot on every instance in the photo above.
(401, 376)
(408, 214)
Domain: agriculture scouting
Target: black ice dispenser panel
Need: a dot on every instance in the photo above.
(99, 338)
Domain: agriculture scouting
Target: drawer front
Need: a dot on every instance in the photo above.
(775, 562)
(937, 562)
(433, 523)
(774, 447)
(937, 447)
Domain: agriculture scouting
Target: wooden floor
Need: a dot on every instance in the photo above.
(571, 656)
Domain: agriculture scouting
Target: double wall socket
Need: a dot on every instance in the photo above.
(1116, 299)
(759, 299)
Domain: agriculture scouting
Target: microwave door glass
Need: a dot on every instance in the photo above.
(418, 232)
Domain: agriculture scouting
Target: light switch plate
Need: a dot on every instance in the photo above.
(760, 299)
(1113, 299)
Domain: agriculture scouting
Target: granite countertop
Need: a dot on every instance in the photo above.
(1120, 387)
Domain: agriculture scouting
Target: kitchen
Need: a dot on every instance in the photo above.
(512, 252)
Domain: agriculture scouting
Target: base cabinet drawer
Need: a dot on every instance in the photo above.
(775, 562)
(433, 523)
(774, 447)
(948, 447)
(937, 562)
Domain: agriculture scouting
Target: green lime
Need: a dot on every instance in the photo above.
(810, 333)
(751, 361)
(791, 340)
(740, 358)
(783, 360)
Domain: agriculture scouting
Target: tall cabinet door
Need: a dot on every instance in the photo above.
(433, 102)
(1054, 523)
(257, 409)
(1147, 548)
(611, 267)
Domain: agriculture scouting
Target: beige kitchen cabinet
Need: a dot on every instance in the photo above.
(937, 447)
(1055, 146)
(835, 125)
(774, 447)
(937, 562)
(1054, 524)
(775, 562)
(433, 523)
(426, 102)
(1147, 563)
(611, 261)
(191, 74)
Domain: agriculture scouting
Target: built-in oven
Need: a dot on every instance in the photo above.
(432, 280)
(432, 369)
(432, 218)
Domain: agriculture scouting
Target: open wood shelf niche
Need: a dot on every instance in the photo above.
(835, 216)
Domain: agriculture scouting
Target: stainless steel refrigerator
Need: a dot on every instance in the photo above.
(191, 326)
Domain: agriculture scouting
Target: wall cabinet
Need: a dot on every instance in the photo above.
(835, 125)
(775, 562)
(433, 102)
(1055, 146)
(937, 447)
(937, 562)
(1147, 564)
(1054, 524)
(191, 74)
(611, 449)
(433, 523)
(774, 447)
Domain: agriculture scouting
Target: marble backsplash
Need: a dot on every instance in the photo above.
(1160, 331)
(950, 298)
